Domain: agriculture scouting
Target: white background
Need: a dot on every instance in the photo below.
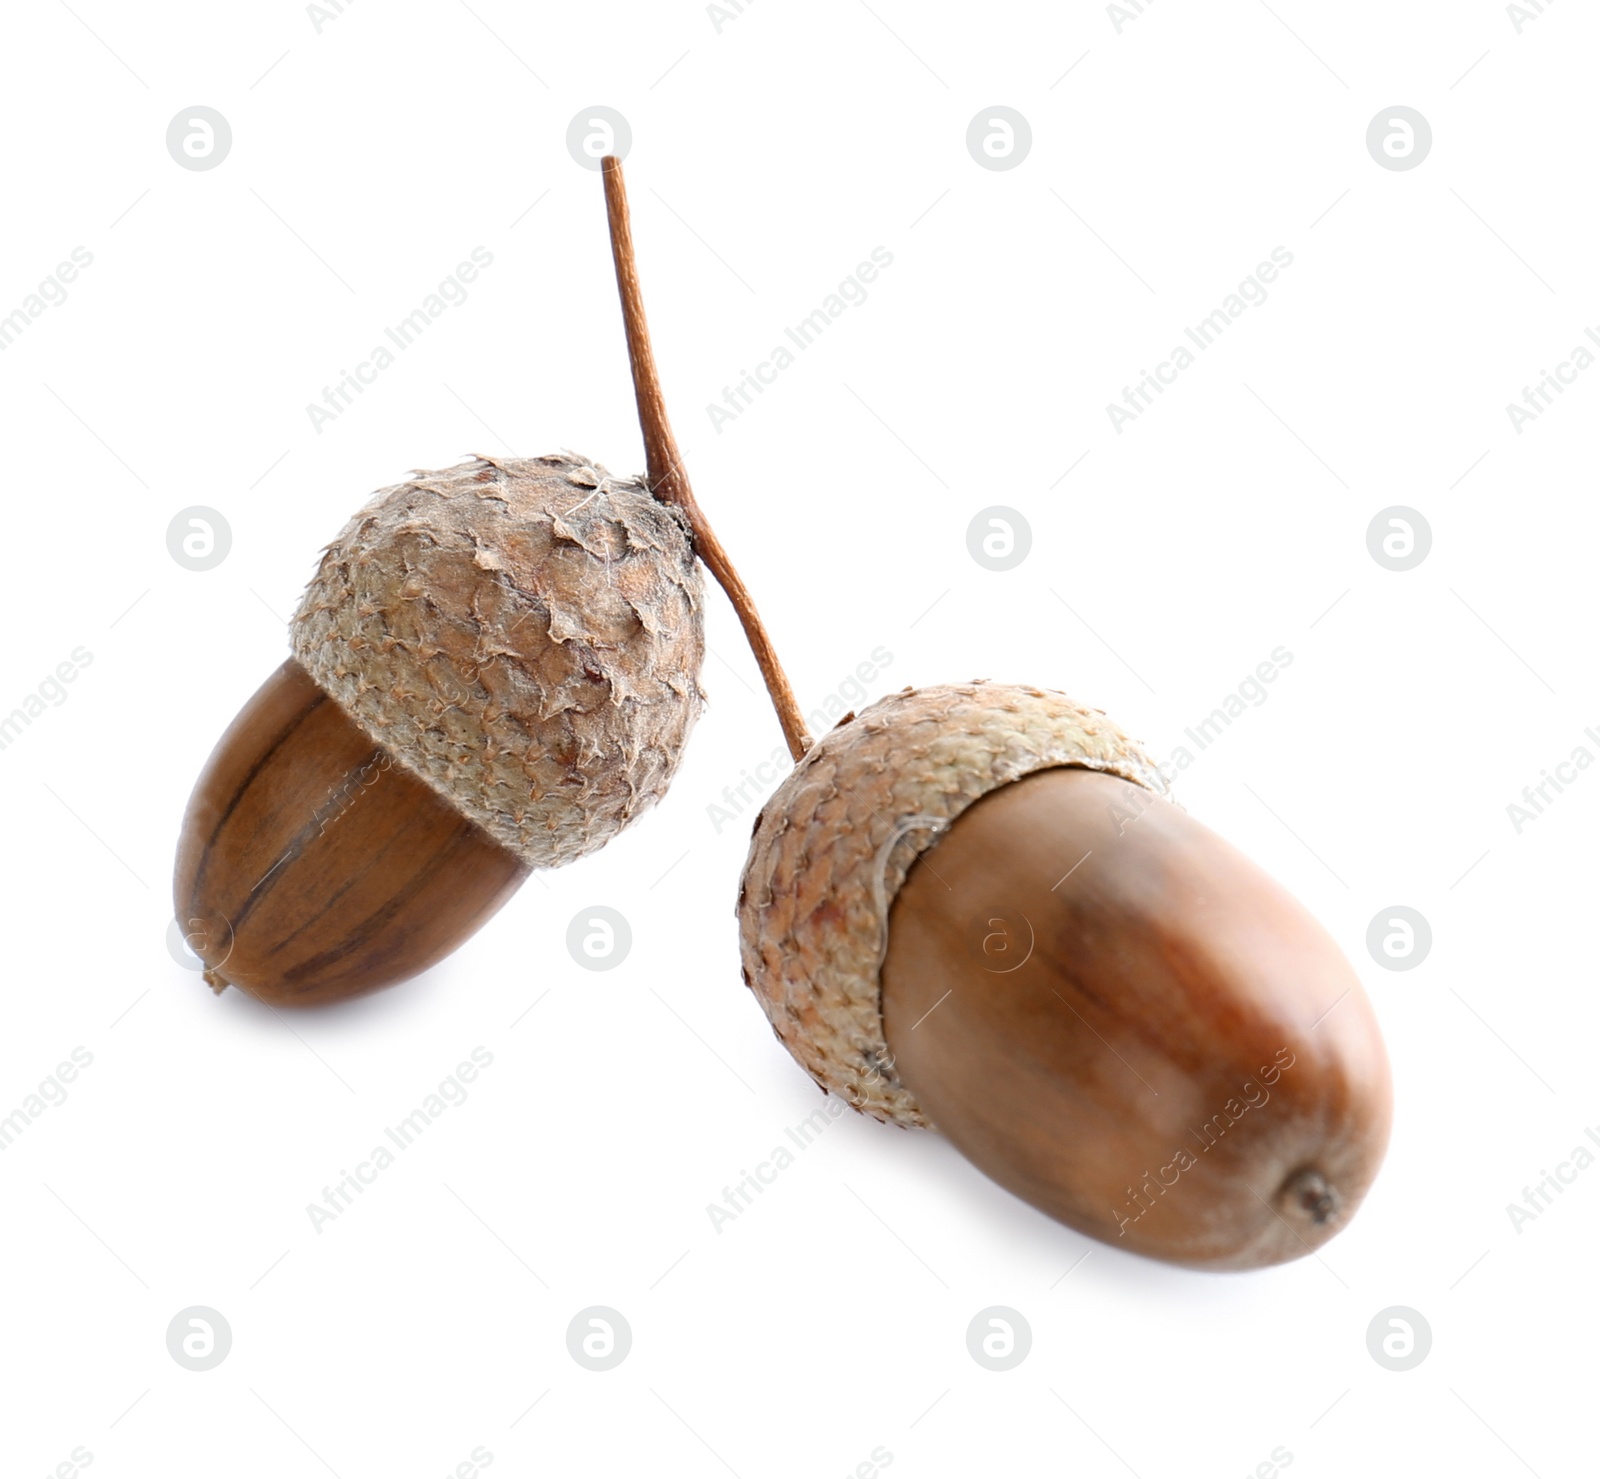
(768, 159)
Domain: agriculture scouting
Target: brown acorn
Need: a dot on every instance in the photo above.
(509, 652)
(973, 907)
(495, 669)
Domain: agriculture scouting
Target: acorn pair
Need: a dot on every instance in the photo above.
(970, 906)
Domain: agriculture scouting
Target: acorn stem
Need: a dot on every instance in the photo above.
(669, 480)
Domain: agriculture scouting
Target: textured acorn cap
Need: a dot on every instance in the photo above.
(525, 635)
(835, 841)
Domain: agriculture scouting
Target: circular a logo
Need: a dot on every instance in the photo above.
(1399, 1338)
(1002, 939)
(999, 1338)
(1399, 138)
(597, 132)
(599, 1338)
(197, 941)
(199, 1338)
(199, 138)
(1399, 938)
(199, 538)
(1399, 538)
(599, 938)
(999, 138)
(999, 538)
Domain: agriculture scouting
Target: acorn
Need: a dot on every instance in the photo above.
(975, 907)
(495, 669)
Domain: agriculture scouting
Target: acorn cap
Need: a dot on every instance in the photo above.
(525, 635)
(834, 843)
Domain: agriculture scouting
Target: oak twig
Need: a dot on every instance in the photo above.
(669, 481)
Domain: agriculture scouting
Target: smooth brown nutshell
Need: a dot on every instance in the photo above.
(312, 867)
(1123, 1020)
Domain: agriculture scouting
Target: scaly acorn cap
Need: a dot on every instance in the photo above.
(525, 635)
(835, 841)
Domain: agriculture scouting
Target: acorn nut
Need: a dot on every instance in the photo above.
(495, 669)
(973, 907)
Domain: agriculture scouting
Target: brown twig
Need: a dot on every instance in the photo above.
(664, 463)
